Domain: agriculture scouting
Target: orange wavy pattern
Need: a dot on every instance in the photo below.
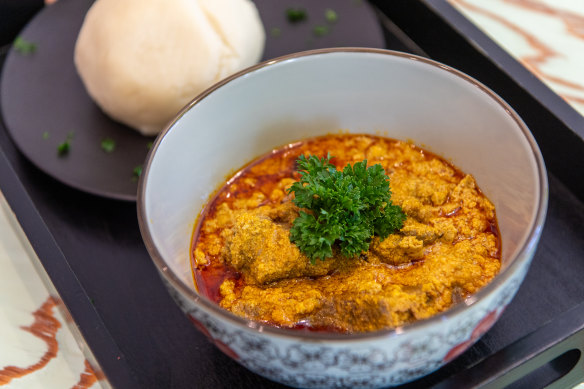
(574, 24)
(87, 378)
(45, 327)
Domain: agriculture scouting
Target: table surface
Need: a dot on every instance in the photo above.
(547, 36)
(38, 349)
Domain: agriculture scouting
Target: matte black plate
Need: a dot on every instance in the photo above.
(44, 100)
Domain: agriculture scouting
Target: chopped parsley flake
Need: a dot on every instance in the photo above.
(137, 172)
(64, 148)
(330, 15)
(320, 30)
(23, 46)
(108, 145)
(295, 15)
(275, 32)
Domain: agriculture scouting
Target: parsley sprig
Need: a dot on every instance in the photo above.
(345, 207)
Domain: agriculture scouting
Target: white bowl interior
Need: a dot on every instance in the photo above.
(394, 95)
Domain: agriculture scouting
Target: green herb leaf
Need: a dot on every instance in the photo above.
(295, 15)
(46, 135)
(64, 148)
(275, 32)
(108, 145)
(23, 46)
(345, 208)
(320, 30)
(330, 15)
(137, 172)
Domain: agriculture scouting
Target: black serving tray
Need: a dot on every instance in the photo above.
(92, 255)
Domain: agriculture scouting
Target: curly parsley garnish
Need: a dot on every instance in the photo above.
(345, 207)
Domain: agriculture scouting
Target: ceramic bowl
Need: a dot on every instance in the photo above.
(362, 91)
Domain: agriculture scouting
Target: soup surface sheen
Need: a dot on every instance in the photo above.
(448, 248)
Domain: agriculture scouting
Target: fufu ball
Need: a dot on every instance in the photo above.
(141, 61)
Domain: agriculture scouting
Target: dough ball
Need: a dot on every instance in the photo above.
(141, 61)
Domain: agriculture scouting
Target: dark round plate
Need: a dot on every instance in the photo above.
(44, 101)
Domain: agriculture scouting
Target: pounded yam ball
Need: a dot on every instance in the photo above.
(141, 61)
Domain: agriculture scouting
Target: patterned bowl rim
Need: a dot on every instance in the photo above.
(523, 255)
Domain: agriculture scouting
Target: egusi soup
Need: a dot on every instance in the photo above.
(261, 252)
